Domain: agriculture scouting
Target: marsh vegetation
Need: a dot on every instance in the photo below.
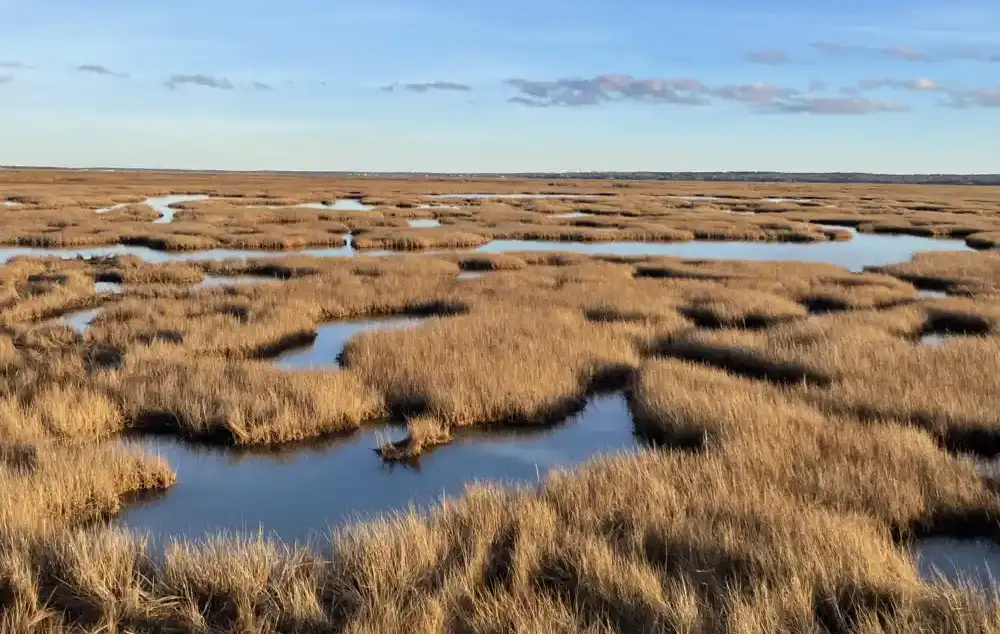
(660, 443)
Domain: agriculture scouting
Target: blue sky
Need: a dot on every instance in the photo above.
(437, 85)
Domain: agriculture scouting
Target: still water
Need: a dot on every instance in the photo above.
(298, 493)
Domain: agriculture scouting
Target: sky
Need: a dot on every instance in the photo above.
(896, 86)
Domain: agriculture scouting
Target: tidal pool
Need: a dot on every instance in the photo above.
(109, 287)
(932, 294)
(512, 196)
(934, 339)
(423, 223)
(78, 320)
(341, 204)
(214, 281)
(298, 493)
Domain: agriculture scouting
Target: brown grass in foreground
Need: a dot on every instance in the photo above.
(656, 542)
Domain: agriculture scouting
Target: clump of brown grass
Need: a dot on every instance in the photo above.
(59, 484)
(984, 240)
(423, 434)
(842, 367)
(954, 272)
(495, 366)
(241, 403)
(722, 307)
(491, 262)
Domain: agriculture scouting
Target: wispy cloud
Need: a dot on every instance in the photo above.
(757, 97)
(907, 54)
(259, 85)
(97, 69)
(770, 58)
(429, 86)
(753, 93)
(921, 84)
(531, 103)
(206, 81)
(604, 88)
(6, 79)
(988, 97)
(833, 106)
(6, 65)
(817, 85)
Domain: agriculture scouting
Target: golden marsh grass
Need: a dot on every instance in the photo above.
(800, 436)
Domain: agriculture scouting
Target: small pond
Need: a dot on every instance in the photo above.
(109, 287)
(341, 204)
(215, 281)
(932, 294)
(512, 196)
(299, 493)
(78, 320)
(423, 223)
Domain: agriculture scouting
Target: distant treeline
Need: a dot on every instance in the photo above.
(782, 177)
(750, 177)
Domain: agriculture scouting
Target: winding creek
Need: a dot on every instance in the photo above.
(862, 250)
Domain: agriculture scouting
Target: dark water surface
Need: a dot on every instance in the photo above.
(297, 494)
(974, 561)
